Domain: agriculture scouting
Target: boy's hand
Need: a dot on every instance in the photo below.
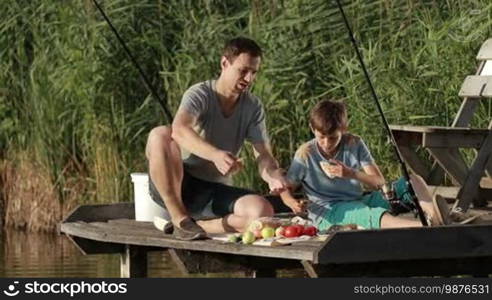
(338, 169)
(237, 166)
(298, 206)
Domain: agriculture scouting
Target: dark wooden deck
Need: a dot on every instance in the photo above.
(450, 250)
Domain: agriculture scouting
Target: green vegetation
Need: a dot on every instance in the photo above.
(74, 114)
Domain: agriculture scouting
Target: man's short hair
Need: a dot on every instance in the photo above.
(234, 47)
(328, 116)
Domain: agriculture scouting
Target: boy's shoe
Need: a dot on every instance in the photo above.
(397, 207)
(188, 230)
(441, 211)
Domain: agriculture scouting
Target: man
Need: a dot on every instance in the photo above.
(191, 162)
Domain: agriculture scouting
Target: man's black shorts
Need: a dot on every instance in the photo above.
(197, 194)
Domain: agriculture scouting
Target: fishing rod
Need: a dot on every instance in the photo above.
(385, 122)
(149, 86)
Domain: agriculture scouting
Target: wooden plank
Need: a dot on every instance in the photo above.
(179, 261)
(476, 86)
(87, 246)
(407, 243)
(485, 52)
(310, 269)
(129, 229)
(451, 162)
(436, 174)
(417, 267)
(453, 139)
(158, 239)
(138, 228)
(132, 223)
(133, 262)
(102, 212)
(435, 129)
(193, 262)
(407, 138)
(470, 187)
(465, 112)
(488, 168)
(445, 191)
(264, 273)
(413, 161)
(133, 227)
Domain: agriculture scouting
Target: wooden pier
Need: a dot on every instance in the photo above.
(430, 251)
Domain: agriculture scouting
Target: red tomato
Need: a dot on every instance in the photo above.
(291, 231)
(300, 229)
(310, 230)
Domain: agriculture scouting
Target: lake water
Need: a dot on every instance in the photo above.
(50, 255)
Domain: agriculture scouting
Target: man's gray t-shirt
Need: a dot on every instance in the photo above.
(226, 133)
(321, 190)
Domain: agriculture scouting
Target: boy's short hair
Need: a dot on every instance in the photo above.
(328, 116)
(234, 47)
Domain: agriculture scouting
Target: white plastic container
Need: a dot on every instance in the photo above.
(145, 208)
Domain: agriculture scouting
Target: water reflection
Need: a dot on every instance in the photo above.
(50, 255)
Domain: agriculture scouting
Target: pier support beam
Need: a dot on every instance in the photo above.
(133, 262)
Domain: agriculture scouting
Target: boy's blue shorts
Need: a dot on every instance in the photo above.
(365, 212)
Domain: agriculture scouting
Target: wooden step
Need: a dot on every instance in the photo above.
(486, 68)
(476, 87)
(485, 52)
(451, 192)
(439, 136)
(438, 129)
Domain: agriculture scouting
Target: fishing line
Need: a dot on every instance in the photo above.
(149, 86)
(383, 117)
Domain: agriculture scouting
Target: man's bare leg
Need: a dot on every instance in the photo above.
(166, 170)
(246, 209)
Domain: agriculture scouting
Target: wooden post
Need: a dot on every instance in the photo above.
(472, 182)
(262, 273)
(133, 262)
(310, 269)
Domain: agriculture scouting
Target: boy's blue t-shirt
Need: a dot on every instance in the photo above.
(321, 190)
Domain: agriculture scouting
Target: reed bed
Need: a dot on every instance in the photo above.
(74, 114)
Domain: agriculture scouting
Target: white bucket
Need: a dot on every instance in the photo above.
(145, 208)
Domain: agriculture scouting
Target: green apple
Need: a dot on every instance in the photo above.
(248, 237)
(232, 238)
(267, 232)
(280, 231)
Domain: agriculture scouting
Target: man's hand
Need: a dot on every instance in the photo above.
(277, 182)
(337, 169)
(225, 162)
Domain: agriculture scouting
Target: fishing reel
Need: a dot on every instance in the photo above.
(397, 204)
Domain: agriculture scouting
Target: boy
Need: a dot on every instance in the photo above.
(331, 168)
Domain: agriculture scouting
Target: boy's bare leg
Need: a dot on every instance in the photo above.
(425, 200)
(389, 221)
(246, 209)
(166, 170)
